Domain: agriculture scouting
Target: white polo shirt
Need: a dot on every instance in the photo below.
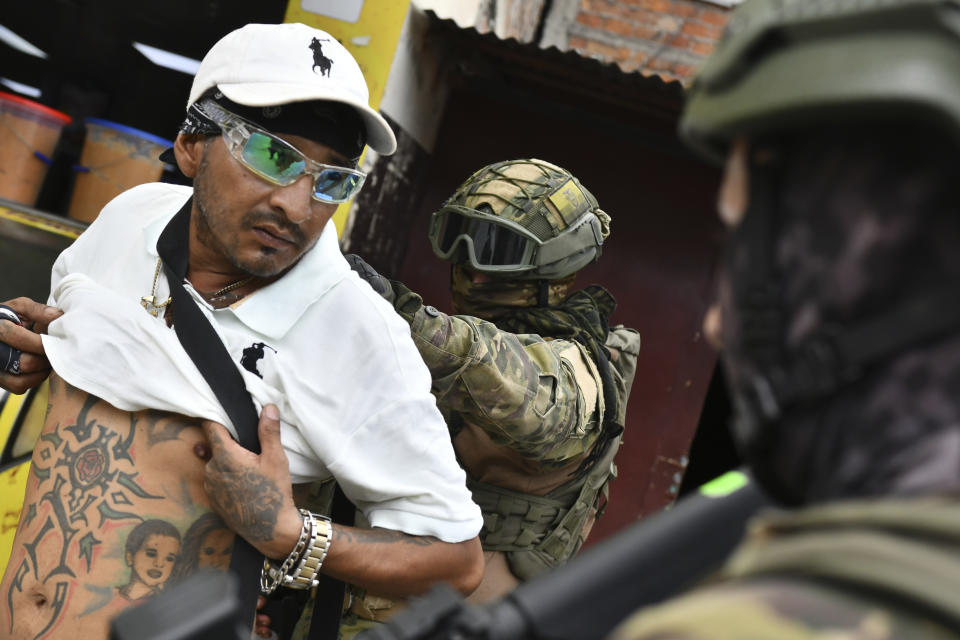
(353, 393)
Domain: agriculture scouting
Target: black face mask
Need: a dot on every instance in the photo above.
(844, 231)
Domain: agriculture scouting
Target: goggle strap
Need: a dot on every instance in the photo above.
(588, 234)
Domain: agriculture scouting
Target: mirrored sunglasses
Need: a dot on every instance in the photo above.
(280, 163)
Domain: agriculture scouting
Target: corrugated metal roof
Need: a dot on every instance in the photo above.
(595, 80)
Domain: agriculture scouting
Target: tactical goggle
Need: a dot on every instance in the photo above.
(495, 244)
(280, 163)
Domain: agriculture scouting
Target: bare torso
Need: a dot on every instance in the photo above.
(114, 512)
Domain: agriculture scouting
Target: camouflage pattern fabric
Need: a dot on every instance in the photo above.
(777, 609)
(497, 379)
(533, 193)
(534, 196)
(580, 316)
(498, 299)
(521, 381)
(878, 570)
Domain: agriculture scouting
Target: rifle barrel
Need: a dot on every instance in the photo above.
(652, 560)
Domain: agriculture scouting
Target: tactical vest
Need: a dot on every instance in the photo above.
(906, 552)
(540, 532)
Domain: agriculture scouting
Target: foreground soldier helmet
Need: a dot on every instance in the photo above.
(788, 69)
(522, 219)
(789, 64)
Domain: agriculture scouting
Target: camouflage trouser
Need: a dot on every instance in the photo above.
(349, 630)
(350, 625)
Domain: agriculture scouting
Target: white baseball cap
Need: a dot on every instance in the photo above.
(263, 65)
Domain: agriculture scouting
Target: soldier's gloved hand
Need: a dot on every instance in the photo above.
(380, 284)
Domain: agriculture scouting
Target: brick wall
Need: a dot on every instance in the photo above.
(669, 38)
(665, 37)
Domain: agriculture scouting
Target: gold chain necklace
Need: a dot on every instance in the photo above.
(153, 307)
(150, 302)
(231, 287)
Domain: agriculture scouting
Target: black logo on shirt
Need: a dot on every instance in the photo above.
(320, 60)
(252, 354)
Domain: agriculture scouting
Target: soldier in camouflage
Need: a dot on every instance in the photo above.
(532, 380)
(839, 319)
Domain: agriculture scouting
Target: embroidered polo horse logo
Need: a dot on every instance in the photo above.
(320, 60)
(252, 355)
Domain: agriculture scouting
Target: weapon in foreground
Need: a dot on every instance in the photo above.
(584, 600)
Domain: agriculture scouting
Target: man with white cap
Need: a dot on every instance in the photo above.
(276, 121)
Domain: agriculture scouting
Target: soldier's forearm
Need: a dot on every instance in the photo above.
(392, 563)
(446, 343)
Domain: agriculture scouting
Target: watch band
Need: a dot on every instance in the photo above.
(301, 569)
(306, 574)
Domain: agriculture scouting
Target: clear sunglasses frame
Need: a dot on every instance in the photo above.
(236, 133)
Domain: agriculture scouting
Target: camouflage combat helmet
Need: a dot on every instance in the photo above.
(526, 219)
(792, 63)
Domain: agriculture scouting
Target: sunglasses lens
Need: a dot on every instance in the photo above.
(272, 159)
(334, 185)
(279, 163)
(493, 244)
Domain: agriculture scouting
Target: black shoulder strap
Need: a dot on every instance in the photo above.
(211, 357)
(199, 339)
(204, 347)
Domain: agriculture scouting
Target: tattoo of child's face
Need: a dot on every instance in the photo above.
(151, 551)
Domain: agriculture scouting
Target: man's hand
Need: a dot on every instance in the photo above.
(380, 284)
(34, 366)
(261, 626)
(252, 493)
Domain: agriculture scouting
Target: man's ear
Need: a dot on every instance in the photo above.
(188, 147)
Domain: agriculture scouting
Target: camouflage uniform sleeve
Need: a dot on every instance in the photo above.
(776, 607)
(540, 397)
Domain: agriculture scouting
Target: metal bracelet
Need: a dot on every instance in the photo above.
(305, 576)
(273, 576)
